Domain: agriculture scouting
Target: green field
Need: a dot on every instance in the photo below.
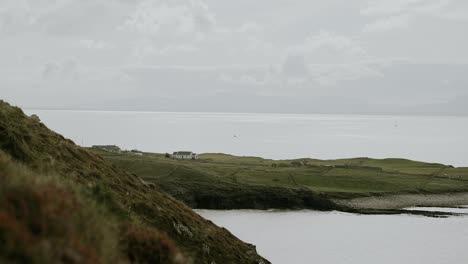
(343, 178)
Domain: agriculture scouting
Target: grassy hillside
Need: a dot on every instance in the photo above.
(214, 175)
(214, 185)
(56, 193)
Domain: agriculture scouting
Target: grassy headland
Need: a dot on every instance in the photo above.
(220, 181)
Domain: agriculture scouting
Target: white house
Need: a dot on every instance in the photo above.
(184, 155)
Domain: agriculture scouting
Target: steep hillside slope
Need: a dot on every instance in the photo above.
(124, 196)
(46, 220)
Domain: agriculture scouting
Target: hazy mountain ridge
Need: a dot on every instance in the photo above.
(230, 103)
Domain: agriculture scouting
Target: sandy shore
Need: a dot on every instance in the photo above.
(407, 200)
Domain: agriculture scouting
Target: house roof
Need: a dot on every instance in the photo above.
(183, 153)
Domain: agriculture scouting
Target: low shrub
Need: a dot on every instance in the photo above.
(42, 221)
(147, 245)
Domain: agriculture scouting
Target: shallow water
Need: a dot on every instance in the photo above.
(302, 237)
(279, 136)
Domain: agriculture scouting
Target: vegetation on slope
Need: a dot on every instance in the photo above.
(90, 204)
(225, 181)
(203, 187)
(43, 220)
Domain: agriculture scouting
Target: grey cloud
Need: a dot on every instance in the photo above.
(200, 54)
(152, 17)
(328, 47)
(388, 23)
(295, 65)
(68, 68)
(96, 44)
(50, 69)
(396, 14)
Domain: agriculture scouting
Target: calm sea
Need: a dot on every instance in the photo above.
(278, 136)
(303, 237)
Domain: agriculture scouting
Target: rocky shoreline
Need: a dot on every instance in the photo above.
(396, 204)
(399, 201)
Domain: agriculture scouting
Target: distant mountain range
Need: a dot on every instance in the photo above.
(272, 104)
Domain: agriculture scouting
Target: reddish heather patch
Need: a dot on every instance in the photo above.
(34, 219)
(148, 245)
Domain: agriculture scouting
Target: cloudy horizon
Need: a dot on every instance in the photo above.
(375, 57)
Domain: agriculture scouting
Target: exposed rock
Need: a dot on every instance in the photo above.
(206, 249)
(182, 229)
(35, 118)
(252, 250)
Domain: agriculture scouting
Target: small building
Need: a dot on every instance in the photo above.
(184, 155)
(136, 152)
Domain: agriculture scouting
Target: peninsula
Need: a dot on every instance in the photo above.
(221, 181)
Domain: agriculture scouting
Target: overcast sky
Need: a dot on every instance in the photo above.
(310, 56)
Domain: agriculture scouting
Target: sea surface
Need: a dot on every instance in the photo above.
(279, 136)
(303, 237)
